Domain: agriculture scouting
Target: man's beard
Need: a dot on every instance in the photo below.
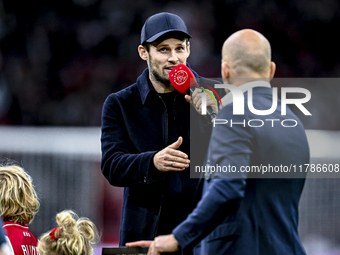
(164, 81)
(157, 76)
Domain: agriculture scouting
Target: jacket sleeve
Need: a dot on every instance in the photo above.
(223, 191)
(213, 208)
(120, 165)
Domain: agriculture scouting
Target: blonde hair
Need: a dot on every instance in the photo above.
(74, 236)
(18, 199)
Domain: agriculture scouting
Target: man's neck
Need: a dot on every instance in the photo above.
(241, 81)
(159, 86)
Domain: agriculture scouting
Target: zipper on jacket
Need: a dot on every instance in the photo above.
(178, 133)
(159, 215)
(173, 111)
(167, 122)
(166, 142)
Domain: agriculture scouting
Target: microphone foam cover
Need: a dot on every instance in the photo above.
(182, 78)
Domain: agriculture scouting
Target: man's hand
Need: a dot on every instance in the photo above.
(171, 159)
(139, 244)
(196, 100)
(167, 243)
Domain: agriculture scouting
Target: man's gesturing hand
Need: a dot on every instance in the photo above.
(166, 243)
(171, 159)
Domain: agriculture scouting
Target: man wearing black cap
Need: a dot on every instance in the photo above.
(146, 135)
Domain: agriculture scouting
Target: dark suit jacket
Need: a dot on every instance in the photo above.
(250, 213)
(134, 128)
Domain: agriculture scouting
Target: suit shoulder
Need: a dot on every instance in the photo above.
(127, 93)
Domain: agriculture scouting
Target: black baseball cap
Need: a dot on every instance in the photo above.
(160, 24)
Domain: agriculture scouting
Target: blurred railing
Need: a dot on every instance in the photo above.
(65, 166)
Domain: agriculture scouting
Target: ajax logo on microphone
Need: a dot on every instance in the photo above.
(180, 77)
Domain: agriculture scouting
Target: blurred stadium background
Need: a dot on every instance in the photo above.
(59, 60)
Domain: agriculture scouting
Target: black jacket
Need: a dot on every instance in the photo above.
(134, 128)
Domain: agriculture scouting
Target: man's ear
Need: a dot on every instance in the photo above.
(225, 70)
(188, 48)
(272, 70)
(143, 53)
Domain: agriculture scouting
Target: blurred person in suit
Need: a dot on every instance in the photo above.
(243, 212)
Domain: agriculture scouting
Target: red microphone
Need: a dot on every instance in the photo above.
(183, 79)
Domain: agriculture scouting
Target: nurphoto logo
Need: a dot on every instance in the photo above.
(238, 105)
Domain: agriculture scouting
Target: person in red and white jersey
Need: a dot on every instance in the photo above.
(22, 241)
(18, 205)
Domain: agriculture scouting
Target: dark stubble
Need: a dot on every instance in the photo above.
(157, 76)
